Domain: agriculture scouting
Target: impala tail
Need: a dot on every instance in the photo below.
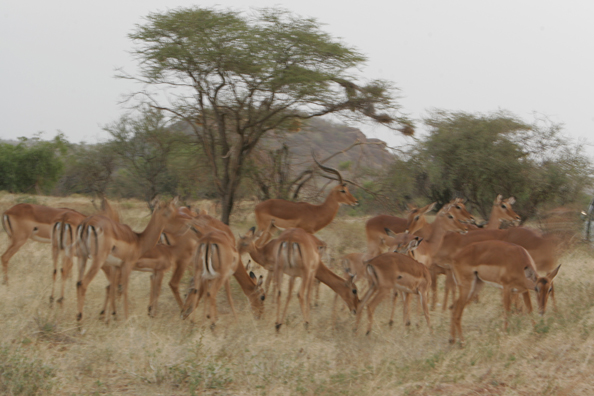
(6, 225)
(212, 259)
(372, 275)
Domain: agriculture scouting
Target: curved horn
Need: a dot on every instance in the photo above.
(328, 169)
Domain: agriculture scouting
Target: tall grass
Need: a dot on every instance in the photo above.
(42, 350)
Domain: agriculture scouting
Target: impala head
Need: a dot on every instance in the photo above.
(543, 286)
(354, 301)
(459, 211)
(258, 296)
(406, 248)
(403, 242)
(503, 210)
(250, 241)
(341, 192)
(176, 221)
(416, 218)
(448, 218)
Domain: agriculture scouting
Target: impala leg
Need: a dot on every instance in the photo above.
(82, 285)
(527, 301)
(368, 294)
(450, 287)
(229, 298)
(211, 294)
(372, 305)
(107, 271)
(16, 242)
(424, 297)
(553, 298)
(433, 272)
(156, 282)
(316, 287)
(281, 320)
(391, 322)
(406, 310)
(507, 294)
(66, 271)
(305, 294)
(194, 295)
(55, 258)
(456, 322)
(175, 280)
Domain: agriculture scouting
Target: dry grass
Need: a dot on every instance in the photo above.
(41, 347)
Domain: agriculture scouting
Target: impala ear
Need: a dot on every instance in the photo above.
(247, 267)
(428, 208)
(260, 280)
(411, 206)
(253, 276)
(251, 231)
(175, 200)
(530, 274)
(511, 200)
(389, 232)
(498, 199)
(551, 275)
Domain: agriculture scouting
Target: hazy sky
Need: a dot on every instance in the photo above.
(58, 58)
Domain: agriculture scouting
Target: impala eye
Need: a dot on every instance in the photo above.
(450, 216)
(457, 207)
(536, 289)
(416, 217)
(342, 191)
(504, 207)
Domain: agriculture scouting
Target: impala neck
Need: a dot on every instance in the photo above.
(494, 222)
(435, 235)
(243, 278)
(328, 210)
(334, 282)
(151, 234)
(258, 255)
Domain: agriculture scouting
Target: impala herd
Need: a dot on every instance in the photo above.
(404, 256)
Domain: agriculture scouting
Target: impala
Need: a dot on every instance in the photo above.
(264, 252)
(501, 264)
(389, 272)
(27, 221)
(297, 255)
(115, 244)
(311, 218)
(64, 241)
(215, 261)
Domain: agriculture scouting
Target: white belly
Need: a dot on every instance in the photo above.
(113, 261)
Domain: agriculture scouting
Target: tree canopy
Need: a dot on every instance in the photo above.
(234, 77)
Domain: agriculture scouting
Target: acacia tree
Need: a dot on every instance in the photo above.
(234, 77)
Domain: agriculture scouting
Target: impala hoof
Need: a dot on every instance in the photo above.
(390, 323)
(60, 300)
(278, 326)
(51, 299)
(79, 317)
(368, 333)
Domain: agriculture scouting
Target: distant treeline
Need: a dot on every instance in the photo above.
(473, 156)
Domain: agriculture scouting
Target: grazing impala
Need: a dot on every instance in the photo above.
(264, 252)
(115, 244)
(502, 264)
(311, 218)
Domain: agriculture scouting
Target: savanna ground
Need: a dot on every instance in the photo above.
(43, 352)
